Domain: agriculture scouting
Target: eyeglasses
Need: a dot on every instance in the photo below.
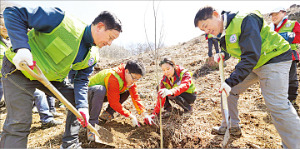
(134, 79)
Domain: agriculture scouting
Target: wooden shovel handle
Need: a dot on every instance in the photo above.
(41, 78)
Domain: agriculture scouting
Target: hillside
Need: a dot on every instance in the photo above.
(180, 130)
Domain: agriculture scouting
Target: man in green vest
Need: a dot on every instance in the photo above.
(264, 56)
(290, 31)
(58, 42)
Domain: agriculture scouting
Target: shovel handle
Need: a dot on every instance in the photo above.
(41, 77)
(221, 70)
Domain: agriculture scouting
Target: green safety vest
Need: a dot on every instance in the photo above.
(102, 77)
(191, 88)
(288, 27)
(272, 43)
(55, 52)
(2, 50)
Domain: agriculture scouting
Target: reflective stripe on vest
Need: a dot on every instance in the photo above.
(102, 77)
(55, 52)
(89, 60)
(191, 88)
(288, 27)
(272, 43)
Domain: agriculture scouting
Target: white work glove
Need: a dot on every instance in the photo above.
(225, 87)
(149, 119)
(165, 92)
(23, 54)
(217, 57)
(134, 120)
(85, 114)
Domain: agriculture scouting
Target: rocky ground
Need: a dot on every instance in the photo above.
(180, 130)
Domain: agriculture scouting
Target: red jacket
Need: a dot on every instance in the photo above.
(184, 86)
(113, 93)
(296, 30)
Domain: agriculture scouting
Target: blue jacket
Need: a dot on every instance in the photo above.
(19, 20)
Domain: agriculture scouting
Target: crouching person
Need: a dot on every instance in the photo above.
(176, 85)
(115, 85)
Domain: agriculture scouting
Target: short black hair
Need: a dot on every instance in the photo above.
(203, 13)
(167, 60)
(110, 21)
(136, 67)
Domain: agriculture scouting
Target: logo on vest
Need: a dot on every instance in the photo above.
(288, 25)
(91, 61)
(233, 38)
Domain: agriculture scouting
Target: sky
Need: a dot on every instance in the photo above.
(175, 19)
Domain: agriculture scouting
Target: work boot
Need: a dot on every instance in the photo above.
(219, 130)
(235, 131)
(90, 135)
(72, 146)
(105, 116)
(51, 123)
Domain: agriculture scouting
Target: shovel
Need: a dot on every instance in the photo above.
(224, 102)
(106, 139)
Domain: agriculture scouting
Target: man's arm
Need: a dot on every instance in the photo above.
(250, 44)
(81, 87)
(113, 96)
(19, 20)
(136, 99)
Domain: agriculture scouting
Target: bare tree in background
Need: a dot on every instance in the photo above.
(158, 42)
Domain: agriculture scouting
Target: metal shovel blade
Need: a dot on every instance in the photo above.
(227, 135)
(106, 137)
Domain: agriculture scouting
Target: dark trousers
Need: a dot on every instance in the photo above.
(183, 100)
(19, 96)
(293, 83)
(96, 97)
(212, 41)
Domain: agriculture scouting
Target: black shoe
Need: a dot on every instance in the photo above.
(73, 146)
(51, 123)
(2, 104)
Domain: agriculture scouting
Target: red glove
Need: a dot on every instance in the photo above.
(148, 120)
(85, 115)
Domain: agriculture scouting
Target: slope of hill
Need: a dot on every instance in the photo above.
(179, 130)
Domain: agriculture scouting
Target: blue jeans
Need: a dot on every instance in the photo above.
(51, 103)
(42, 106)
(19, 96)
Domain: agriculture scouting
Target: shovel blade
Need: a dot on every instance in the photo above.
(106, 137)
(226, 138)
